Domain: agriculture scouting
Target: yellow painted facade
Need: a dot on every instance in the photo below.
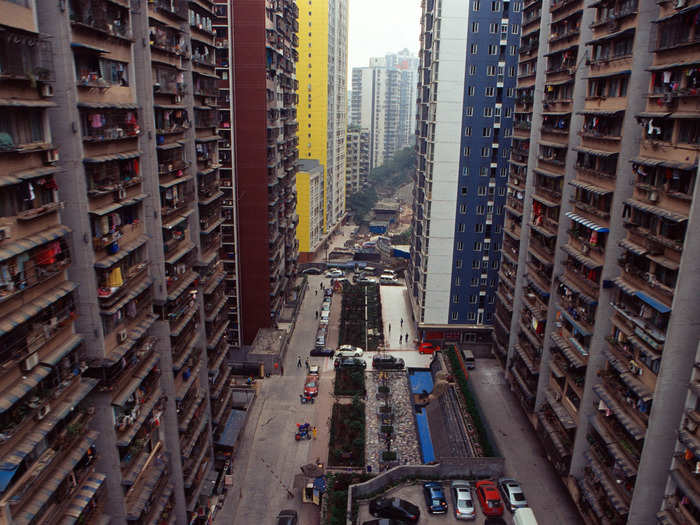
(312, 110)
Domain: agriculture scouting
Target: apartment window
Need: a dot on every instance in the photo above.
(493, 28)
(464, 190)
(486, 132)
(475, 281)
(483, 281)
(484, 171)
(510, 92)
(488, 111)
(475, 27)
(494, 264)
(504, 172)
(463, 209)
(507, 132)
(485, 151)
(455, 299)
(471, 316)
(454, 316)
(475, 264)
(471, 91)
(458, 281)
(475, 5)
(482, 190)
(478, 228)
(501, 191)
(460, 246)
(467, 151)
(465, 171)
(511, 50)
(491, 71)
(474, 49)
(477, 246)
(493, 49)
(467, 131)
(480, 209)
(509, 113)
(458, 263)
(489, 91)
(511, 71)
(472, 70)
(470, 111)
(487, 245)
(472, 298)
(515, 29)
(499, 210)
(24, 127)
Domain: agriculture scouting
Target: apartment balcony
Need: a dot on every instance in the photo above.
(612, 488)
(190, 405)
(118, 121)
(220, 381)
(618, 448)
(524, 390)
(555, 439)
(613, 396)
(531, 361)
(101, 16)
(141, 499)
(187, 377)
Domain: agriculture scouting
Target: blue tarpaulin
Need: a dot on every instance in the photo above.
(233, 428)
(656, 305)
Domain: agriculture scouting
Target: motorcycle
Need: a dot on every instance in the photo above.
(304, 399)
(303, 431)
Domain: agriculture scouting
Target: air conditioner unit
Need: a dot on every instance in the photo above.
(30, 362)
(121, 336)
(51, 156)
(43, 412)
(653, 196)
(46, 90)
(5, 233)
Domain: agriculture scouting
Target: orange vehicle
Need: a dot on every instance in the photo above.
(489, 497)
(427, 348)
(311, 385)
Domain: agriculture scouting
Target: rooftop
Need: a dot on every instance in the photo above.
(268, 341)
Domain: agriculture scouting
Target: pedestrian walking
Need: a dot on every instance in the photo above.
(406, 338)
(315, 292)
(316, 314)
(298, 361)
(400, 336)
(313, 432)
(389, 327)
(307, 365)
(402, 321)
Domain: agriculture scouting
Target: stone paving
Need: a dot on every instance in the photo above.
(405, 440)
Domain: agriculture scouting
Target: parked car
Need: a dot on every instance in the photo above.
(311, 386)
(434, 498)
(388, 279)
(325, 314)
(312, 271)
(513, 495)
(287, 517)
(427, 348)
(367, 280)
(326, 306)
(349, 351)
(395, 508)
(327, 292)
(335, 272)
(346, 362)
(314, 370)
(463, 500)
(322, 352)
(387, 362)
(489, 498)
(321, 340)
(384, 521)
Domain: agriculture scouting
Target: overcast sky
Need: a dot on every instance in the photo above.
(378, 27)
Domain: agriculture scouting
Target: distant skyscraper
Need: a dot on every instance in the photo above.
(408, 65)
(357, 159)
(463, 141)
(322, 110)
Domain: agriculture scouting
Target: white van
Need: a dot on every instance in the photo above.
(468, 357)
(524, 516)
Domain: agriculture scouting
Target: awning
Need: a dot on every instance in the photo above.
(526, 390)
(610, 74)
(685, 486)
(589, 187)
(178, 219)
(123, 439)
(107, 105)
(542, 231)
(611, 36)
(34, 173)
(559, 82)
(212, 227)
(232, 429)
(632, 247)
(81, 499)
(595, 152)
(209, 138)
(217, 195)
(611, 443)
(562, 414)
(114, 156)
(172, 145)
(182, 286)
(529, 364)
(546, 173)
(664, 261)
(215, 311)
(575, 289)
(633, 427)
(552, 144)
(600, 112)
(681, 115)
(664, 163)
(180, 361)
(6, 476)
(627, 378)
(578, 328)
(647, 114)
(217, 336)
(533, 283)
(84, 47)
(564, 50)
(175, 182)
(609, 486)
(206, 75)
(132, 294)
(555, 113)
(51, 484)
(666, 67)
(59, 353)
(181, 323)
(125, 250)
(179, 254)
(32, 241)
(23, 386)
(622, 285)
(143, 370)
(214, 284)
(586, 261)
(656, 305)
(32, 308)
(586, 222)
(679, 12)
(554, 435)
(572, 355)
(170, 106)
(532, 251)
(120, 351)
(661, 212)
(116, 205)
(21, 103)
(209, 170)
(544, 200)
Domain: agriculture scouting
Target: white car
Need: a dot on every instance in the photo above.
(464, 502)
(386, 278)
(349, 351)
(513, 495)
(335, 272)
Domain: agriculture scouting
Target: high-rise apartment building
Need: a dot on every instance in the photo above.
(357, 159)
(121, 383)
(309, 204)
(405, 62)
(594, 320)
(464, 121)
(375, 107)
(322, 71)
(265, 97)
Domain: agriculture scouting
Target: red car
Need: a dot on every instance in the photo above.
(489, 497)
(311, 386)
(427, 348)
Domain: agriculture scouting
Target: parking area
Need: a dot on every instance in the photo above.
(414, 494)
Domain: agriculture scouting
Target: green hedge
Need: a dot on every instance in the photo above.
(337, 496)
(469, 400)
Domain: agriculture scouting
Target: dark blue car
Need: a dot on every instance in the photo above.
(434, 498)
